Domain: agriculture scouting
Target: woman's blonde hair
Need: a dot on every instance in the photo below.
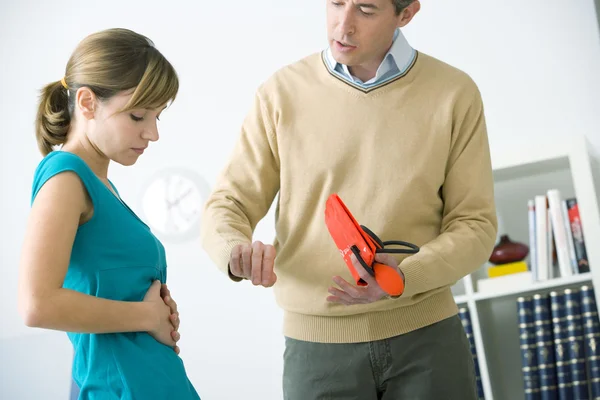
(107, 62)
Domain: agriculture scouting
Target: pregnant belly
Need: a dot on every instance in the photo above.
(126, 283)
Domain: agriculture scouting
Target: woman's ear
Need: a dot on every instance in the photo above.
(86, 102)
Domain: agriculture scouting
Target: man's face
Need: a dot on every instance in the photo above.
(360, 32)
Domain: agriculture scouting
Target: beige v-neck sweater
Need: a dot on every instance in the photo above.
(411, 160)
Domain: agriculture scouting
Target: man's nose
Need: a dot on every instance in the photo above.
(347, 22)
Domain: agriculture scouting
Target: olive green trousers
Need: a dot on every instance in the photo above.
(431, 363)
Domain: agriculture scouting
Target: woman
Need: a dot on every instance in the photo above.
(89, 265)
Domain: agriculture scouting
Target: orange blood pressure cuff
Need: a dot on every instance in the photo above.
(352, 238)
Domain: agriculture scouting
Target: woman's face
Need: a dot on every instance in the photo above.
(122, 136)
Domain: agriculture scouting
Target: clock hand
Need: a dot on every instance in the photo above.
(188, 216)
(178, 200)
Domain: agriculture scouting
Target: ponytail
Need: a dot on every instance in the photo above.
(53, 117)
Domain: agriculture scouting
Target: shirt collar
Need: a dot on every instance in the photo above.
(398, 57)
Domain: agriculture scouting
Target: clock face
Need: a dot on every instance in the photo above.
(172, 203)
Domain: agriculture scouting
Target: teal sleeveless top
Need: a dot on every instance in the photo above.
(116, 256)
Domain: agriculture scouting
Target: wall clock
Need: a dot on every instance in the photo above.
(172, 203)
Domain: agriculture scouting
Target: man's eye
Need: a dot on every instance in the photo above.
(136, 119)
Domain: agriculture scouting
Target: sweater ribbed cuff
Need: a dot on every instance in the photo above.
(225, 256)
(415, 278)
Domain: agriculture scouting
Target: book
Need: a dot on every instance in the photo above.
(583, 263)
(559, 230)
(591, 338)
(561, 342)
(576, 352)
(529, 362)
(465, 318)
(545, 347)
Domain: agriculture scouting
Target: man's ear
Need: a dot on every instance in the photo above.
(408, 13)
(86, 101)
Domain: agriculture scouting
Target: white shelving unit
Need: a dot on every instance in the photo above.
(578, 168)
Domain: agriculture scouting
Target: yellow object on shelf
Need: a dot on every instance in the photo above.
(507, 269)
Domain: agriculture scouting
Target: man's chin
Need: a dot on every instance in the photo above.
(344, 59)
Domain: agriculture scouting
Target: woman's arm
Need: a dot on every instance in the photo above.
(55, 216)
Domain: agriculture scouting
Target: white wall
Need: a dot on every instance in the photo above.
(537, 64)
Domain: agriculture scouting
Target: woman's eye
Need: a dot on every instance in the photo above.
(135, 118)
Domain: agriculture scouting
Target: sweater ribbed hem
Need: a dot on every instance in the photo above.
(225, 256)
(370, 326)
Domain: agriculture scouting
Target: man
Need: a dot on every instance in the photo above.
(401, 137)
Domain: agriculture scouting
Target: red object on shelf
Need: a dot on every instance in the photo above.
(507, 251)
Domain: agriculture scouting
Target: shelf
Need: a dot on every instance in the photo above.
(533, 287)
(461, 299)
(536, 167)
(530, 159)
(536, 286)
(526, 168)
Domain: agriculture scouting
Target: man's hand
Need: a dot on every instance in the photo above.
(350, 294)
(254, 262)
(165, 293)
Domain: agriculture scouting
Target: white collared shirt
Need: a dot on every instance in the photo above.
(399, 57)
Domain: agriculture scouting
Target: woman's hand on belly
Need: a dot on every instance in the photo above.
(165, 293)
(163, 328)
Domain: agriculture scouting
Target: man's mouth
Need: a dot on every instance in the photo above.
(345, 45)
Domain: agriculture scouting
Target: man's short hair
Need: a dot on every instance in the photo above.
(401, 5)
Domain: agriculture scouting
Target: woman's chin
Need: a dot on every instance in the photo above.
(126, 161)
